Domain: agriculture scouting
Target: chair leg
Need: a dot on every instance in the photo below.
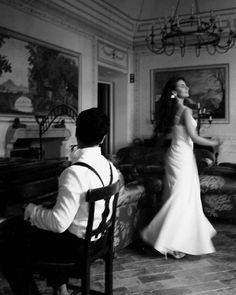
(85, 282)
(108, 274)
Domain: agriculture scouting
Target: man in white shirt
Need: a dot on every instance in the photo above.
(57, 231)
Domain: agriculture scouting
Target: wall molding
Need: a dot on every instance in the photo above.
(46, 16)
(112, 55)
(79, 16)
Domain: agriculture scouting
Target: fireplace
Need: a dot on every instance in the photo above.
(24, 142)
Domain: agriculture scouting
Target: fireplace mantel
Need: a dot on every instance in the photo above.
(53, 140)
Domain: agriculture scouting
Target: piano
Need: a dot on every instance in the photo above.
(23, 181)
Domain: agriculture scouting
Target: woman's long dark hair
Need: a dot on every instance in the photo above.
(167, 107)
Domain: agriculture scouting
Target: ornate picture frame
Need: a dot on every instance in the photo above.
(209, 86)
(35, 76)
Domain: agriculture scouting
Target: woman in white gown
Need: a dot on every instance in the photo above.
(180, 227)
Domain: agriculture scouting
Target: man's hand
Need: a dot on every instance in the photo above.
(28, 211)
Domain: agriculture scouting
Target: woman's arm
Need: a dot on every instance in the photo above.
(187, 117)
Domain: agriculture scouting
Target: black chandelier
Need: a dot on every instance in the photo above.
(181, 32)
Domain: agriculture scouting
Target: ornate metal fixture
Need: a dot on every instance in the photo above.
(202, 115)
(45, 121)
(181, 32)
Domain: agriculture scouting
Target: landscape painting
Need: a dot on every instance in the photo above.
(35, 78)
(208, 86)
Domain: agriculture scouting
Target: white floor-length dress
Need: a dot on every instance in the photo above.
(181, 225)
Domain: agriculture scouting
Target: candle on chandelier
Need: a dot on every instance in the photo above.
(212, 14)
(220, 24)
(198, 105)
(152, 117)
(177, 21)
(166, 21)
(172, 12)
(231, 25)
(198, 20)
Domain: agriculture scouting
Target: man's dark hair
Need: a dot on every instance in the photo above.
(91, 126)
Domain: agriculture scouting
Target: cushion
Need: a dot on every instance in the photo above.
(155, 158)
(228, 164)
(131, 193)
(216, 183)
(152, 169)
(211, 183)
(221, 206)
(129, 171)
(204, 158)
(224, 171)
(131, 155)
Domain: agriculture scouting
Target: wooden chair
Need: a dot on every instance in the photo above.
(98, 244)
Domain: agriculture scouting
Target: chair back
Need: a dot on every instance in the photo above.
(105, 230)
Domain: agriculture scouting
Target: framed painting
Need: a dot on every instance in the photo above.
(209, 86)
(35, 77)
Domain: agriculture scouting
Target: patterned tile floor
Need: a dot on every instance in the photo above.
(139, 270)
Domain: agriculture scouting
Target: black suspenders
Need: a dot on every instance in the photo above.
(91, 168)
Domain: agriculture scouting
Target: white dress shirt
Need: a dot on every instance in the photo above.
(71, 210)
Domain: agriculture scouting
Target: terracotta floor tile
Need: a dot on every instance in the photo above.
(140, 270)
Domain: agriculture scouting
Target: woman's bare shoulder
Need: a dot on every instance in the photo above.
(186, 114)
(187, 110)
(183, 109)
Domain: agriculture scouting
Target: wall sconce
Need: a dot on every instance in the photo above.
(202, 115)
(152, 118)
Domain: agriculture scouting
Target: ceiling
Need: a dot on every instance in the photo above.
(124, 22)
(143, 10)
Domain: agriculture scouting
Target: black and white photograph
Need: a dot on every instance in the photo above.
(117, 147)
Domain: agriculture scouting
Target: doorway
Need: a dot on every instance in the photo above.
(105, 103)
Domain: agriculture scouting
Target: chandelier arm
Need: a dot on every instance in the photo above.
(211, 52)
(182, 41)
(155, 49)
(152, 47)
(171, 52)
(231, 42)
(176, 9)
(227, 47)
(197, 6)
(191, 32)
(198, 51)
(221, 49)
(158, 51)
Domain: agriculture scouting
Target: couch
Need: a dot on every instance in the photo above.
(140, 196)
(218, 185)
(142, 165)
(128, 213)
(218, 192)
